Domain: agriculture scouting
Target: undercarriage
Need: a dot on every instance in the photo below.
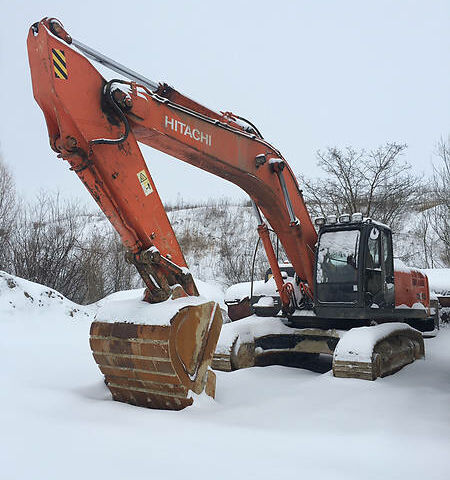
(364, 352)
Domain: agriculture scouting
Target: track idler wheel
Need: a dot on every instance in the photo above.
(158, 366)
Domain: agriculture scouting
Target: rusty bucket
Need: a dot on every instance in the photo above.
(158, 366)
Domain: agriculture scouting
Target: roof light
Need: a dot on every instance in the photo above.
(357, 217)
(319, 221)
(331, 219)
(344, 218)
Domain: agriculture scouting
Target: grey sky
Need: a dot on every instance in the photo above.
(309, 74)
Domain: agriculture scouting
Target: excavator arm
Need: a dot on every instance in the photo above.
(88, 129)
(95, 125)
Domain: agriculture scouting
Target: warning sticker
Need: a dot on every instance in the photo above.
(59, 64)
(145, 182)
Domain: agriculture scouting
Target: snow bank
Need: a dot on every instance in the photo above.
(264, 302)
(19, 296)
(438, 279)
(400, 266)
(357, 344)
(212, 291)
(242, 290)
(22, 296)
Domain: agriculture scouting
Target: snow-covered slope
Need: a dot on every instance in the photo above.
(218, 240)
(58, 420)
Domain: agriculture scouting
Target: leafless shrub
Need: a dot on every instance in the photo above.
(120, 274)
(8, 214)
(191, 241)
(218, 239)
(103, 266)
(415, 246)
(236, 266)
(237, 259)
(181, 204)
(430, 236)
(56, 243)
(46, 245)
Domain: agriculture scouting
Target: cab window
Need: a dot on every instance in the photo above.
(337, 266)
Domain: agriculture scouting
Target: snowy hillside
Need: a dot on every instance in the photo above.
(218, 240)
(58, 420)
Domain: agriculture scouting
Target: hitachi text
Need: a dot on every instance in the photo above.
(187, 131)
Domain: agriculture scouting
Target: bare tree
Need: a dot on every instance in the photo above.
(8, 214)
(440, 214)
(419, 244)
(377, 183)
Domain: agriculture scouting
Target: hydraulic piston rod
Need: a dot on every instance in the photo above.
(278, 167)
(113, 65)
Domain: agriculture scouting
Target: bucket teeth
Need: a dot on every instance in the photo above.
(156, 366)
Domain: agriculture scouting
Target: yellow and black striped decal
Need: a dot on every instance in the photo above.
(59, 64)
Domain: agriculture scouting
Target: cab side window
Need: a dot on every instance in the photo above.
(373, 251)
(387, 254)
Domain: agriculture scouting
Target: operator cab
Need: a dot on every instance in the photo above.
(354, 273)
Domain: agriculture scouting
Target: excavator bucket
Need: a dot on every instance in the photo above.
(159, 366)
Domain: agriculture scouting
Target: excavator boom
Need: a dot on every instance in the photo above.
(96, 126)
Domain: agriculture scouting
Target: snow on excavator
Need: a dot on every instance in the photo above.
(156, 352)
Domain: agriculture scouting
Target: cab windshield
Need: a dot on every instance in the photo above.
(337, 264)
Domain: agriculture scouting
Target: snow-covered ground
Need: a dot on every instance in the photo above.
(57, 419)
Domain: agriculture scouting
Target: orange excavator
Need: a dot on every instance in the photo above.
(342, 278)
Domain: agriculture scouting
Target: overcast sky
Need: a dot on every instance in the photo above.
(309, 74)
